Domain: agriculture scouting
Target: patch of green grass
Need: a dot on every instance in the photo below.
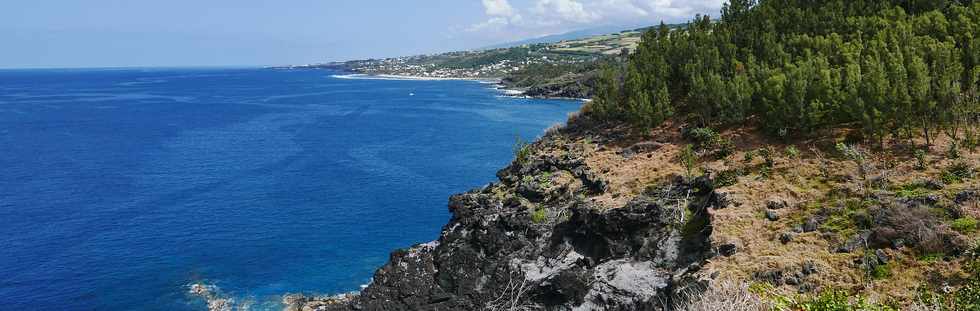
(792, 152)
(838, 300)
(828, 300)
(881, 272)
(539, 215)
(965, 225)
(931, 257)
(843, 221)
(760, 288)
(912, 190)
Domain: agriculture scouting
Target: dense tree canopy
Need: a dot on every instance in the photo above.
(892, 68)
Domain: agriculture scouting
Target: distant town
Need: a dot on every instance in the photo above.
(494, 63)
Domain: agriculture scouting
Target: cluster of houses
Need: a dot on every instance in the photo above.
(449, 66)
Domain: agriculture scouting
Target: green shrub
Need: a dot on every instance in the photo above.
(689, 159)
(707, 139)
(956, 173)
(792, 152)
(748, 156)
(912, 190)
(920, 158)
(765, 172)
(971, 141)
(522, 151)
(724, 148)
(965, 225)
(727, 178)
(768, 154)
(703, 137)
(953, 152)
(539, 215)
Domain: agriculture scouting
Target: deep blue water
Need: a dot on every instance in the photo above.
(118, 188)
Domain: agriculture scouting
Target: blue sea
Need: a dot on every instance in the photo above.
(120, 187)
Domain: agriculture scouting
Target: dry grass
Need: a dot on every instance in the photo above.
(804, 181)
(725, 296)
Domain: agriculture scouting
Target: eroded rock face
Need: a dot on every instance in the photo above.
(494, 255)
(534, 241)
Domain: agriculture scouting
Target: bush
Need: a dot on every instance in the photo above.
(539, 215)
(971, 141)
(706, 139)
(920, 158)
(727, 178)
(703, 137)
(748, 156)
(522, 151)
(768, 154)
(689, 159)
(964, 225)
(956, 173)
(792, 152)
(953, 152)
(920, 227)
(724, 148)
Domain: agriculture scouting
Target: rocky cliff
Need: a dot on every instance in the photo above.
(537, 240)
(601, 217)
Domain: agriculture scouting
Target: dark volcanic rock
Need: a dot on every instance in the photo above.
(809, 267)
(777, 203)
(728, 249)
(786, 237)
(490, 254)
(772, 215)
(966, 196)
(859, 240)
(810, 225)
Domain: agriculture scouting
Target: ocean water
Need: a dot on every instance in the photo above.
(119, 188)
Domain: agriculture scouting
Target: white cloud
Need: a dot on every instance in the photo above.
(498, 8)
(565, 10)
(542, 17)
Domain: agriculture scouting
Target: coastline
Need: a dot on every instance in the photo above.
(365, 76)
(497, 82)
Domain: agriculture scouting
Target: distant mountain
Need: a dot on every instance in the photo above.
(574, 35)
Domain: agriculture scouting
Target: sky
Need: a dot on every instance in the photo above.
(170, 33)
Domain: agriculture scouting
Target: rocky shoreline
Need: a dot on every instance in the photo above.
(566, 90)
(535, 240)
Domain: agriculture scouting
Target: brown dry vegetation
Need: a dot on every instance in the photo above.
(817, 183)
